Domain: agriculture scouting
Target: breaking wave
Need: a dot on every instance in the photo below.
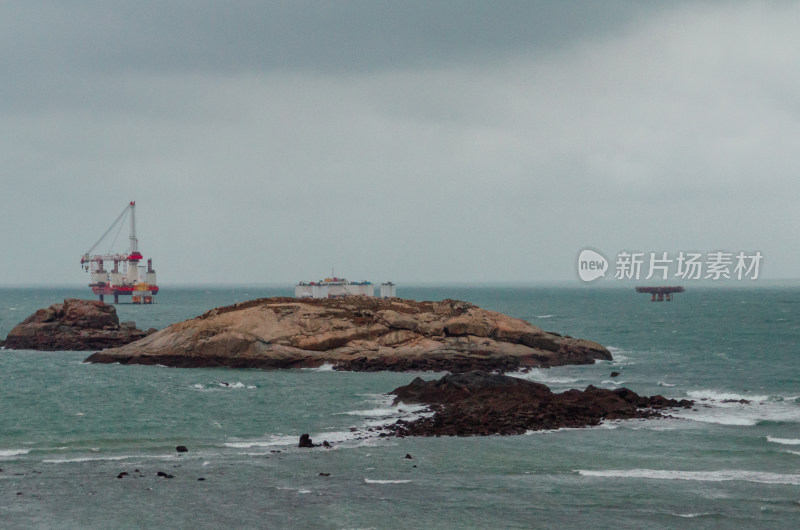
(760, 477)
(325, 367)
(543, 375)
(783, 441)
(13, 452)
(727, 408)
(715, 395)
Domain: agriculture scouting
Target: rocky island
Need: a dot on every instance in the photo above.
(481, 403)
(358, 334)
(72, 325)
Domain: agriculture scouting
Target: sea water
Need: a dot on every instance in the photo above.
(68, 429)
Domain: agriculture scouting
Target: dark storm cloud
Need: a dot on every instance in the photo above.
(413, 141)
(341, 36)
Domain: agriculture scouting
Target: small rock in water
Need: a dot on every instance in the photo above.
(326, 444)
(165, 475)
(182, 449)
(614, 374)
(123, 474)
(305, 441)
(324, 474)
(409, 457)
(201, 479)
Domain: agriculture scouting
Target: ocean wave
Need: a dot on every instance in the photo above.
(619, 355)
(545, 316)
(324, 367)
(783, 441)
(726, 408)
(13, 452)
(716, 395)
(399, 410)
(726, 475)
(736, 414)
(661, 383)
(86, 459)
(370, 481)
(224, 384)
(544, 376)
(273, 440)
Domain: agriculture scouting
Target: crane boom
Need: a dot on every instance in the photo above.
(110, 228)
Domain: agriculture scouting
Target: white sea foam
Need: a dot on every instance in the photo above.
(619, 355)
(716, 395)
(661, 383)
(370, 481)
(725, 408)
(272, 441)
(543, 375)
(399, 410)
(545, 316)
(224, 384)
(702, 476)
(13, 452)
(87, 459)
(692, 515)
(610, 382)
(325, 367)
(783, 441)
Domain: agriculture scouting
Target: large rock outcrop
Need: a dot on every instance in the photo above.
(355, 333)
(73, 325)
(480, 403)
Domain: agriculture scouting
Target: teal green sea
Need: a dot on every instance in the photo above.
(67, 429)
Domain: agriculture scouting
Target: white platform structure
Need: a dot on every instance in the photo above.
(333, 288)
(388, 290)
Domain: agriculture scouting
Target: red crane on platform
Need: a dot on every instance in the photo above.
(127, 277)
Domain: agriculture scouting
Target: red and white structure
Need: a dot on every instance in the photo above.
(126, 277)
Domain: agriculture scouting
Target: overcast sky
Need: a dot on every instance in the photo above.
(265, 142)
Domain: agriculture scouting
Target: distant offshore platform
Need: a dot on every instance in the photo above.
(659, 294)
(127, 277)
(334, 287)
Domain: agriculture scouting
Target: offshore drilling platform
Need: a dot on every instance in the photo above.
(126, 277)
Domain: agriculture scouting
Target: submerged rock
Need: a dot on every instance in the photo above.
(73, 325)
(356, 333)
(480, 403)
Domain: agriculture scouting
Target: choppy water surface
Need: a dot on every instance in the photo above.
(67, 429)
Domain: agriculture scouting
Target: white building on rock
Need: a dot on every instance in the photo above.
(333, 288)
